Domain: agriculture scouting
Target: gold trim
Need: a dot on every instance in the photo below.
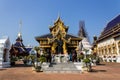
(118, 43)
(45, 46)
(41, 39)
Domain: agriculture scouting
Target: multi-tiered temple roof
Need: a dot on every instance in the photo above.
(18, 48)
(111, 29)
(50, 35)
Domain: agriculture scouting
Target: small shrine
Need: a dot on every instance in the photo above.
(18, 49)
(4, 52)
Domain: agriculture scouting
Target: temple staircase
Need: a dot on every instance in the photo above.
(63, 68)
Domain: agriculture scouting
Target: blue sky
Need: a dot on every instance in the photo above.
(38, 15)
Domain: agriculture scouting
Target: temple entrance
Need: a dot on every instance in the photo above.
(70, 50)
(59, 50)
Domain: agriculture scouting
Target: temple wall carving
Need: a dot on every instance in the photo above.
(109, 47)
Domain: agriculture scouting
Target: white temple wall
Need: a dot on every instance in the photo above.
(105, 49)
(4, 52)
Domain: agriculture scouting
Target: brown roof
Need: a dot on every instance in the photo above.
(49, 35)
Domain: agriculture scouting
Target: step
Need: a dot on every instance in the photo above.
(62, 71)
(62, 68)
(62, 65)
(65, 69)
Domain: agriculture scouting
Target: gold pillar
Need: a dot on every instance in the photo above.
(64, 48)
(53, 48)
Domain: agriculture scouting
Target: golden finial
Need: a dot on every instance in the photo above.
(20, 27)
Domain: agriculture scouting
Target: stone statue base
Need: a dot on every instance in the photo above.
(61, 58)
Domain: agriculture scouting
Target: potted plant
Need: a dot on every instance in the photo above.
(42, 59)
(97, 60)
(25, 60)
(80, 56)
(38, 64)
(86, 60)
(12, 60)
(87, 64)
(93, 58)
(31, 58)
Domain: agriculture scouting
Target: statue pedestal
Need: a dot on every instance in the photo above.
(61, 58)
(4, 64)
(118, 59)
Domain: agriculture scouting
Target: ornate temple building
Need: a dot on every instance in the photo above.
(58, 40)
(107, 46)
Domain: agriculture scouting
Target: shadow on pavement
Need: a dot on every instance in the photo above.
(21, 65)
(2, 69)
(94, 70)
(101, 64)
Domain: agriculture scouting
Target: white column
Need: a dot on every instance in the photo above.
(117, 48)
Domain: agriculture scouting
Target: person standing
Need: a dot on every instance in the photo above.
(48, 56)
(74, 56)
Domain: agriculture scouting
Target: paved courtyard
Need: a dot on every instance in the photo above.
(105, 71)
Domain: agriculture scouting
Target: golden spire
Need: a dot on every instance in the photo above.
(58, 19)
(58, 16)
(20, 27)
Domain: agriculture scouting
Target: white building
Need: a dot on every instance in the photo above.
(108, 43)
(4, 52)
(84, 45)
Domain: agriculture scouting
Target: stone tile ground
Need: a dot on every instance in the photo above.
(106, 71)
